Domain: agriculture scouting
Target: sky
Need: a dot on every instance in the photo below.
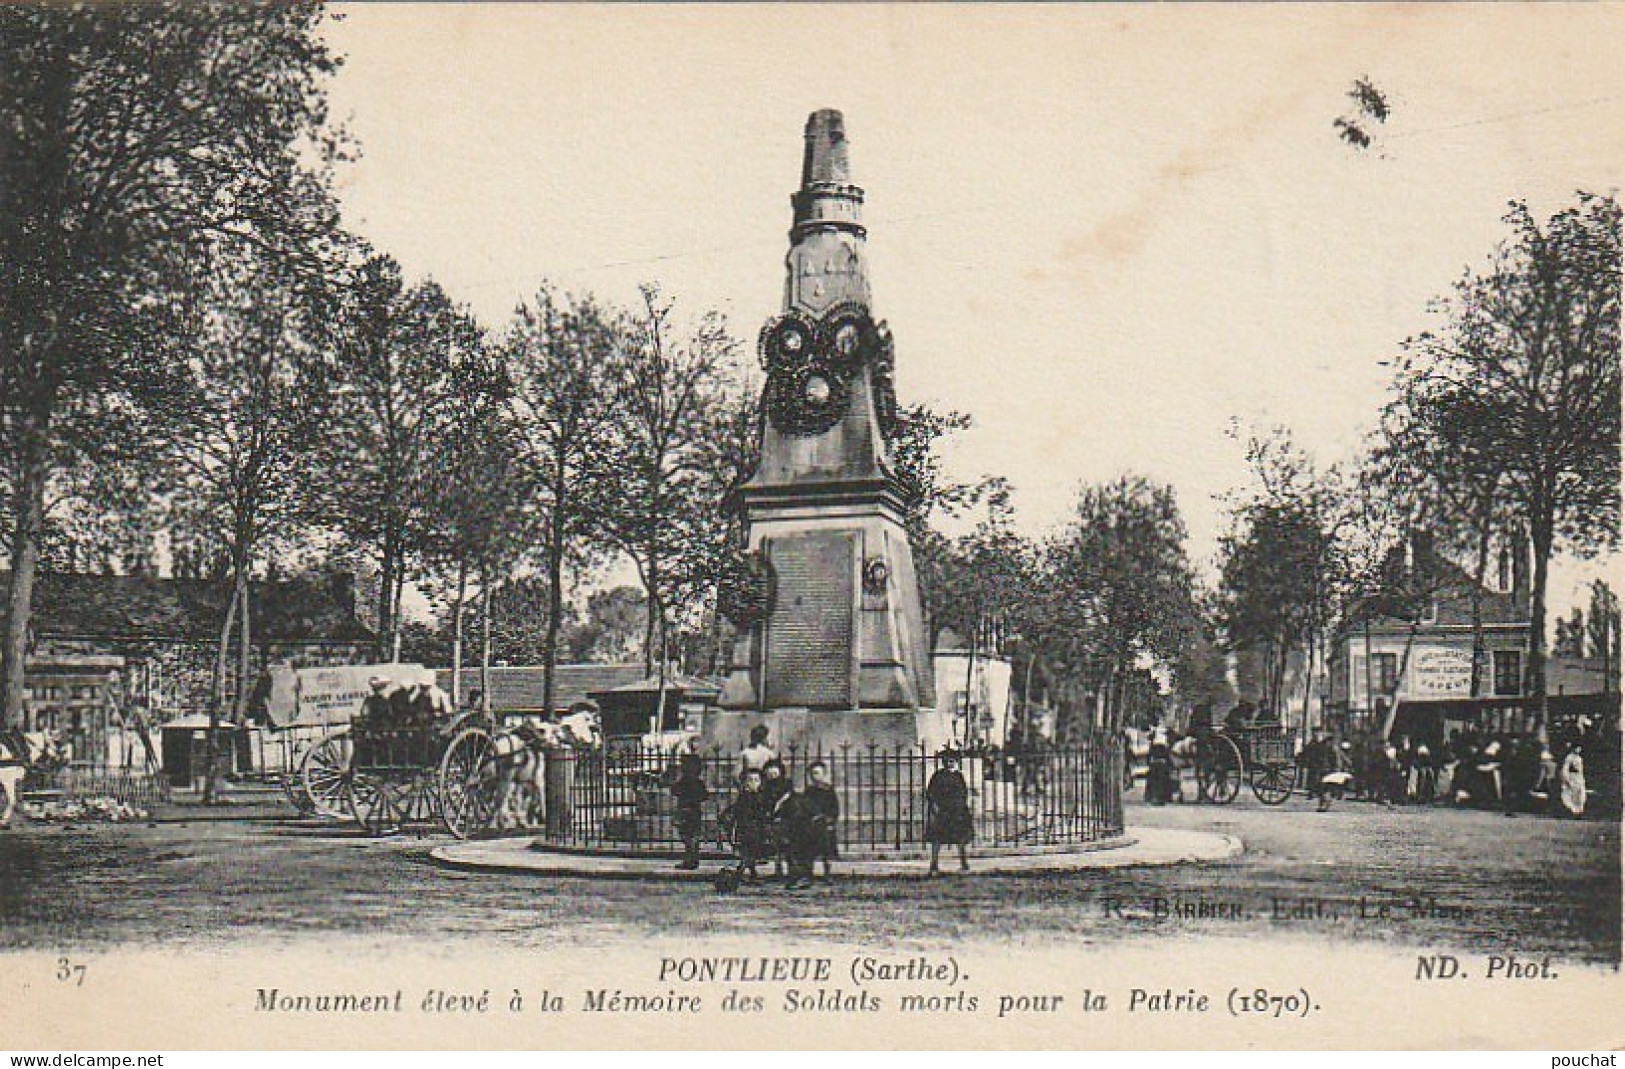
(1111, 234)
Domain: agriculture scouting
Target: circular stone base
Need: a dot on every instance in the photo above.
(1138, 846)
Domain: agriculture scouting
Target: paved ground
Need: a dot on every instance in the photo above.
(1432, 878)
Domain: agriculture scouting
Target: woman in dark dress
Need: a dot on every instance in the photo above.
(947, 810)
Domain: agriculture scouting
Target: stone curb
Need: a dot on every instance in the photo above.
(1145, 846)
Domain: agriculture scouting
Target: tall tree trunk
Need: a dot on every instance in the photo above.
(1370, 689)
(1026, 699)
(1540, 535)
(1283, 657)
(485, 644)
(245, 647)
(652, 584)
(400, 587)
(457, 635)
(217, 700)
(384, 592)
(1481, 567)
(28, 512)
(1308, 677)
(970, 680)
(555, 602)
(660, 689)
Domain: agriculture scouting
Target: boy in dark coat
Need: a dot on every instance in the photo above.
(810, 823)
(690, 793)
(752, 816)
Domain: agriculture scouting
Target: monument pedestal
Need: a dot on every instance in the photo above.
(814, 731)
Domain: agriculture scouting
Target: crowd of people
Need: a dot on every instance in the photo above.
(1566, 772)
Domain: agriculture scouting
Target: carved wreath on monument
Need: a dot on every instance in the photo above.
(811, 363)
(745, 594)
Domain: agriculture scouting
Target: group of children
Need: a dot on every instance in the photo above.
(770, 819)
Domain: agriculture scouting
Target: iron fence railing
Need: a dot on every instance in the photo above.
(80, 782)
(620, 798)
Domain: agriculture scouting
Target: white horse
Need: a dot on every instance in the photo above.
(522, 756)
(19, 752)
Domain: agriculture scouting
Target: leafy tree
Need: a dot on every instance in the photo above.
(127, 134)
(1370, 110)
(669, 404)
(514, 617)
(395, 351)
(1281, 563)
(929, 495)
(558, 354)
(1528, 364)
(474, 511)
(985, 587)
(1201, 671)
(1602, 633)
(613, 629)
(1118, 587)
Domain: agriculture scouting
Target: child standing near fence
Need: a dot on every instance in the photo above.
(813, 815)
(690, 793)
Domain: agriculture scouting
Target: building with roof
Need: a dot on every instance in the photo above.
(623, 693)
(101, 643)
(1427, 665)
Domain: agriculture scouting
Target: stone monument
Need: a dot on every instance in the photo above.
(831, 644)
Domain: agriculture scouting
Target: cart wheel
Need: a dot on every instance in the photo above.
(423, 803)
(377, 805)
(1218, 772)
(1273, 783)
(469, 778)
(325, 773)
(293, 785)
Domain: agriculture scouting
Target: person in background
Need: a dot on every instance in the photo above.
(1338, 778)
(826, 808)
(1424, 774)
(758, 753)
(690, 793)
(1487, 770)
(1572, 779)
(1159, 768)
(777, 791)
(1522, 773)
(947, 810)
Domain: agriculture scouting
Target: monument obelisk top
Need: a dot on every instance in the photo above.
(825, 265)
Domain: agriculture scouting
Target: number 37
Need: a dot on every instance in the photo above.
(70, 972)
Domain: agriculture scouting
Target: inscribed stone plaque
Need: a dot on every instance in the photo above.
(809, 631)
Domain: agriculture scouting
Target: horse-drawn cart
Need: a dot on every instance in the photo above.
(1262, 755)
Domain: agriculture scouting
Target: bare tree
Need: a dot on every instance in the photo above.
(240, 435)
